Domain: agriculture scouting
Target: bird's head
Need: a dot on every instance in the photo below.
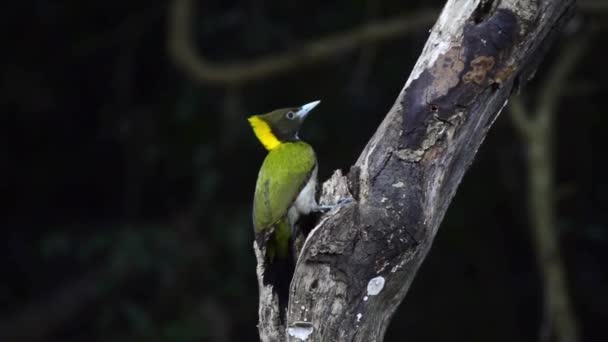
(281, 125)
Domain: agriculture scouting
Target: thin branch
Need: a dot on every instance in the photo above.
(558, 317)
(557, 82)
(181, 45)
(552, 91)
(184, 53)
(520, 117)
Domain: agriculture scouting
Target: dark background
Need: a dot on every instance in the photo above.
(128, 183)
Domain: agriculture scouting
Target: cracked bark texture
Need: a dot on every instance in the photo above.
(356, 266)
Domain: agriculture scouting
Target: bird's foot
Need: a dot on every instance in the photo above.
(341, 202)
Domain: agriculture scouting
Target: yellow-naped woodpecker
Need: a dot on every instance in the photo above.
(285, 188)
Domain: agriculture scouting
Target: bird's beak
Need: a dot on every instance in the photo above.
(305, 109)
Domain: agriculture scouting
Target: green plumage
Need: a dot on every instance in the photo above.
(279, 245)
(284, 173)
(285, 190)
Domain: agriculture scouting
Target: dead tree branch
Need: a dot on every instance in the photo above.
(358, 263)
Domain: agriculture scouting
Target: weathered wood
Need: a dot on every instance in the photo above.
(358, 263)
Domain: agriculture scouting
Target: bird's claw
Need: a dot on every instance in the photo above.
(342, 201)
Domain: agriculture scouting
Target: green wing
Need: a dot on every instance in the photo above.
(284, 173)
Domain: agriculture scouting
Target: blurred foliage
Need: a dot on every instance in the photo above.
(122, 170)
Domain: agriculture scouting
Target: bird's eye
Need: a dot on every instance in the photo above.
(290, 115)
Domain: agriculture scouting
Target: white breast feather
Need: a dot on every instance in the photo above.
(305, 202)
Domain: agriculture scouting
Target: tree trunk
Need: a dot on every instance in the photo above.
(358, 263)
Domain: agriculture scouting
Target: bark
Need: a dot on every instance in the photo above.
(356, 266)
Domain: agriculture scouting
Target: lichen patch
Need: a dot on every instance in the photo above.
(375, 286)
(480, 66)
(398, 185)
(300, 330)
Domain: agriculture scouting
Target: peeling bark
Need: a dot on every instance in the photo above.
(358, 263)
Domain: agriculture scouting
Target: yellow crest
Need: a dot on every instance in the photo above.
(264, 133)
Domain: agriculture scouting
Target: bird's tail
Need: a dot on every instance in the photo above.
(280, 263)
